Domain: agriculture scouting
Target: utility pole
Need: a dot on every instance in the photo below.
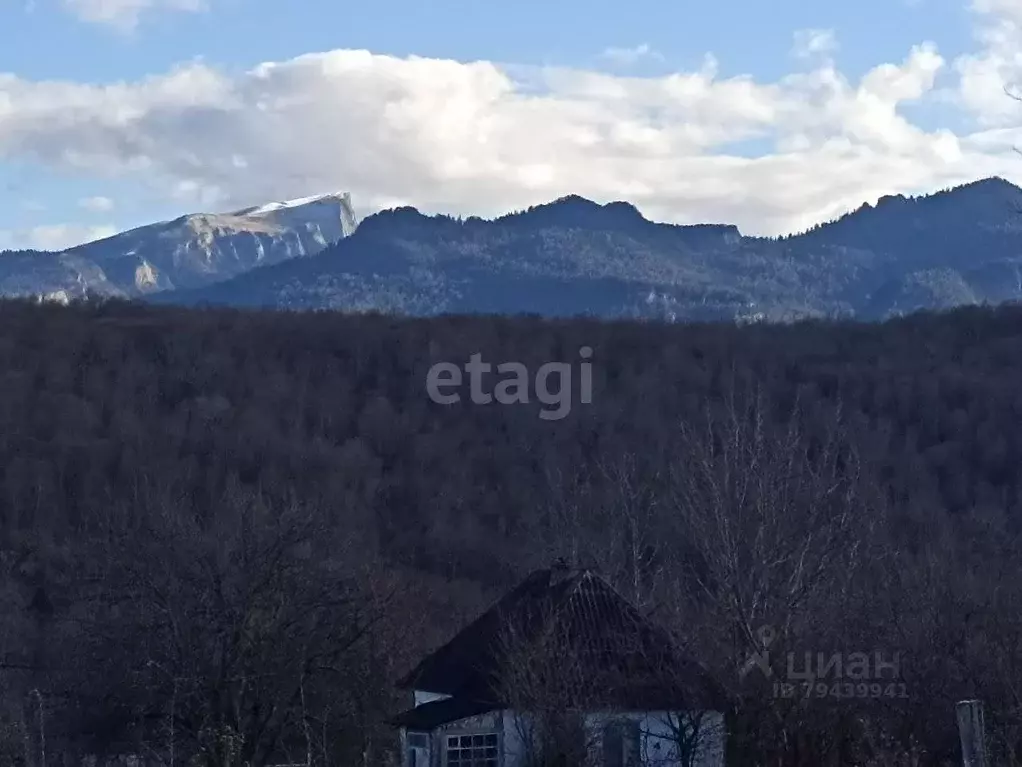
(42, 732)
(972, 731)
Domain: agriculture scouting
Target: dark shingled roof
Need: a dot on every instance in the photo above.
(604, 630)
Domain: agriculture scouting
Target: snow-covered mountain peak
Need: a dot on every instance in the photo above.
(329, 210)
(272, 207)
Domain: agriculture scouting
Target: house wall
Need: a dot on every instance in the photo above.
(674, 739)
(658, 746)
(484, 723)
(421, 697)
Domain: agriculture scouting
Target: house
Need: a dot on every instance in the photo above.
(562, 670)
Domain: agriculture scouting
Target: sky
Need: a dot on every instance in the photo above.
(773, 116)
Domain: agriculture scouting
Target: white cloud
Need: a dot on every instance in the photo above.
(96, 204)
(628, 56)
(479, 138)
(125, 14)
(54, 236)
(986, 75)
(809, 43)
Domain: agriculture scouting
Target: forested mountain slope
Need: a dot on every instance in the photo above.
(166, 475)
(572, 256)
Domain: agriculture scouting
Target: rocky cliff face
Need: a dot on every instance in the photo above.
(200, 249)
(52, 276)
(192, 251)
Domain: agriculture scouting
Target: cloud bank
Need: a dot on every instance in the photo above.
(483, 138)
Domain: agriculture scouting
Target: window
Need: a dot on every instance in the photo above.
(473, 750)
(418, 750)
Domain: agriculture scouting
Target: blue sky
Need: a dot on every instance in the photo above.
(771, 115)
(747, 37)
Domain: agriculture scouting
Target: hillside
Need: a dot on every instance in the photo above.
(572, 256)
(191, 251)
(157, 467)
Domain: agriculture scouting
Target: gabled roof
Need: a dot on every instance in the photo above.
(604, 631)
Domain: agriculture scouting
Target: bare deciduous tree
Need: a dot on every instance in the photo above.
(244, 629)
(602, 686)
(548, 689)
(772, 524)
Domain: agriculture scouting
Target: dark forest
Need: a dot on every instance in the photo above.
(225, 534)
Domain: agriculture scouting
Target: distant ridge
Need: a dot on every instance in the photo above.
(575, 256)
(191, 251)
(958, 246)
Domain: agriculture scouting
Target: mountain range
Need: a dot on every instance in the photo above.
(188, 252)
(568, 257)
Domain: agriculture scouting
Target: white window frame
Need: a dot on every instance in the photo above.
(473, 733)
(413, 749)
